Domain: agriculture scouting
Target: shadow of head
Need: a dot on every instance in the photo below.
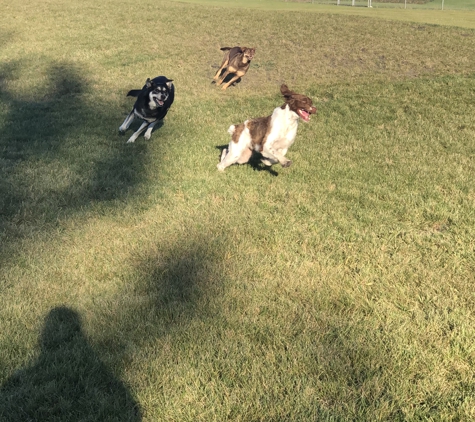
(62, 327)
(68, 381)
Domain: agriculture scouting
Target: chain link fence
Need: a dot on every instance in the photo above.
(402, 4)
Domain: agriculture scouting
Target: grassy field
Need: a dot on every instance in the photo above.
(463, 16)
(139, 283)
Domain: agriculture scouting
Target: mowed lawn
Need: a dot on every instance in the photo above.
(138, 283)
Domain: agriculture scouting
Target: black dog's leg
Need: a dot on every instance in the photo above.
(128, 120)
(148, 132)
(138, 132)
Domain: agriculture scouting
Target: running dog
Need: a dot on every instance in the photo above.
(152, 105)
(270, 136)
(237, 61)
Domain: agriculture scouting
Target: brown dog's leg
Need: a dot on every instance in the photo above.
(223, 65)
(216, 77)
(232, 80)
(221, 80)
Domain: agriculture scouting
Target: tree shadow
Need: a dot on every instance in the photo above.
(255, 161)
(169, 289)
(67, 382)
(59, 151)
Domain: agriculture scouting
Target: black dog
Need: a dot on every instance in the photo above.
(152, 105)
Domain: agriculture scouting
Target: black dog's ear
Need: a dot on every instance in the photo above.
(148, 83)
(169, 83)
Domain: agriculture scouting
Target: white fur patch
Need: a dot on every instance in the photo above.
(283, 130)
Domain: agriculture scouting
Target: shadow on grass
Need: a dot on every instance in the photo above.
(227, 79)
(255, 161)
(67, 382)
(59, 152)
(171, 286)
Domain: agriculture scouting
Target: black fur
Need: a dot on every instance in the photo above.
(141, 106)
(160, 92)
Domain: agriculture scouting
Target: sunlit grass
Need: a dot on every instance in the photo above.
(339, 288)
(459, 13)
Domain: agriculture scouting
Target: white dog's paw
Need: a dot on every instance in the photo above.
(131, 140)
(147, 136)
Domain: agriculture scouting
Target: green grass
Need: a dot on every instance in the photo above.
(139, 283)
(454, 5)
(456, 12)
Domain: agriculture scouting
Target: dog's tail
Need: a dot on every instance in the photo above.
(133, 93)
(225, 48)
(231, 129)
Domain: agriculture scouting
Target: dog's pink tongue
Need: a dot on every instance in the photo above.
(305, 115)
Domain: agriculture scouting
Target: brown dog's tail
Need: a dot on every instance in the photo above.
(225, 48)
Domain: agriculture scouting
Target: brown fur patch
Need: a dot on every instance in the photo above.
(237, 132)
(259, 129)
(299, 102)
(296, 101)
(233, 52)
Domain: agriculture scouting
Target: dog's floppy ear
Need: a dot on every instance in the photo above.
(148, 83)
(286, 92)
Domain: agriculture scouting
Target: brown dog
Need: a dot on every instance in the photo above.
(236, 60)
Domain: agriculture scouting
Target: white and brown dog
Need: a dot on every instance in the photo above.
(271, 136)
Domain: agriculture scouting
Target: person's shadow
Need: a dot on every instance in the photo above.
(68, 381)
